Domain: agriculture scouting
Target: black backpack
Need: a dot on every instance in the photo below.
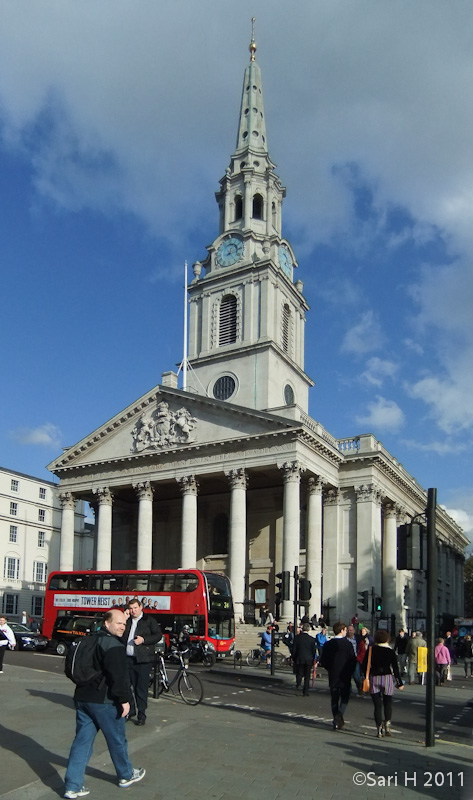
(82, 663)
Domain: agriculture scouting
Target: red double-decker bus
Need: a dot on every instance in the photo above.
(202, 600)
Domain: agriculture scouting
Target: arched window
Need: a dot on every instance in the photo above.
(257, 207)
(220, 534)
(238, 207)
(286, 327)
(228, 320)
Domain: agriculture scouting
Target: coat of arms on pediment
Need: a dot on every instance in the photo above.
(162, 427)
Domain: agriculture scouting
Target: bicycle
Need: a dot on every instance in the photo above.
(189, 684)
(258, 656)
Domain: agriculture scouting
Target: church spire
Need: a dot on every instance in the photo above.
(252, 126)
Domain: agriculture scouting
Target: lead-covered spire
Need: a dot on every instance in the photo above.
(252, 126)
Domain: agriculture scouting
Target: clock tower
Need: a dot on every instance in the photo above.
(247, 315)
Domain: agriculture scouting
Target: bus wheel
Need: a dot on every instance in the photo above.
(190, 688)
(61, 649)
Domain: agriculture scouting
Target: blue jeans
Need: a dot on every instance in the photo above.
(90, 718)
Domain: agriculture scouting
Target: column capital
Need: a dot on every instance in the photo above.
(237, 478)
(104, 496)
(315, 485)
(292, 471)
(67, 500)
(368, 493)
(392, 509)
(188, 484)
(331, 497)
(144, 490)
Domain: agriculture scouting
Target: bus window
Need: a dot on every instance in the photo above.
(137, 583)
(161, 583)
(219, 585)
(112, 583)
(186, 582)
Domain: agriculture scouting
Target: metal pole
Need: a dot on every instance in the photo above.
(184, 356)
(431, 613)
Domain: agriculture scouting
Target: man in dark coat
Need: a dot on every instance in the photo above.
(303, 655)
(142, 633)
(338, 658)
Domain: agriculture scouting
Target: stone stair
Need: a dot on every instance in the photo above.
(247, 637)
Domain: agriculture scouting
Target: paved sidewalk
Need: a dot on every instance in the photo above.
(222, 750)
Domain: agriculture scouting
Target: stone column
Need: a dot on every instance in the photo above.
(188, 486)
(292, 471)
(66, 555)
(368, 538)
(391, 603)
(104, 528)
(144, 550)
(331, 511)
(238, 482)
(313, 568)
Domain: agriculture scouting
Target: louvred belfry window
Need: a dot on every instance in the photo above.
(228, 320)
(286, 323)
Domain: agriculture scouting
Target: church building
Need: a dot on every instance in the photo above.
(230, 473)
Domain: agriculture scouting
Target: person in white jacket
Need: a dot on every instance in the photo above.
(7, 639)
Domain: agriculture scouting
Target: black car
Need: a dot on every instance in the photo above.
(71, 627)
(26, 639)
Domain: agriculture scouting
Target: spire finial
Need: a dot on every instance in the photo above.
(252, 47)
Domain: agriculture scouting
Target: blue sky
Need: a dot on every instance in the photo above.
(117, 121)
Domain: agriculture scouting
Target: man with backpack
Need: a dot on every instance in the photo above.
(102, 699)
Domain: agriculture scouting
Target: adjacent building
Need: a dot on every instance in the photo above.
(231, 473)
(30, 521)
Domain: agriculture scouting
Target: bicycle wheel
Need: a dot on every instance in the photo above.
(253, 658)
(282, 662)
(190, 688)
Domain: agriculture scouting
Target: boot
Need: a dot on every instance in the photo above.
(380, 732)
(387, 728)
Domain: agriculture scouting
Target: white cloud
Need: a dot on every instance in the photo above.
(377, 370)
(363, 337)
(383, 415)
(445, 448)
(462, 518)
(47, 435)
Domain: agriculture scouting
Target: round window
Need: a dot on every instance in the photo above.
(224, 387)
(288, 395)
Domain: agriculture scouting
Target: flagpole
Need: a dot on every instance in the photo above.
(184, 357)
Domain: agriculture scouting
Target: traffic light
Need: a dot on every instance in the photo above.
(304, 590)
(284, 585)
(378, 603)
(363, 600)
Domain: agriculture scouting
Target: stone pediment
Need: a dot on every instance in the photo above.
(166, 420)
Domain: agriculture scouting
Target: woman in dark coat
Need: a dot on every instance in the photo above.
(384, 674)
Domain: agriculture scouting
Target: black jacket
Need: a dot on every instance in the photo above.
(150, 629)
(383, 662)
(303, 651)
(114, 685)
(338, 658)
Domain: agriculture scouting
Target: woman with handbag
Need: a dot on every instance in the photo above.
(380, 665)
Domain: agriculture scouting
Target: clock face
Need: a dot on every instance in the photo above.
(285, 260)
(230, 251)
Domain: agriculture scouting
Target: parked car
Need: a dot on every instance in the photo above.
(26, 639)
(69, 628)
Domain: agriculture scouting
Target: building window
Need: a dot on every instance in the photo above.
(42, 493)
(11, 568)
(13, 534)
(10, 604)
(257, 207)
(41, 539)
(37, 606)
(14, 485)
(220, 535)
(238, 207)
(224, 387)
(42, 515)
(288, 395)
(13, 509)
(228, 320)
(40, 571)
(286, 327)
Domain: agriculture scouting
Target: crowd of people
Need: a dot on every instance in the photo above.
(378, 665)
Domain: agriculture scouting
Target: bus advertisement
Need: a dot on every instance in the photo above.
(202, 600)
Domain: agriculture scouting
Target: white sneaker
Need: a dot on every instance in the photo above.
(80, 793)
(136, 776)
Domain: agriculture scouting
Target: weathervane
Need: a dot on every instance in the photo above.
(252, 47)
